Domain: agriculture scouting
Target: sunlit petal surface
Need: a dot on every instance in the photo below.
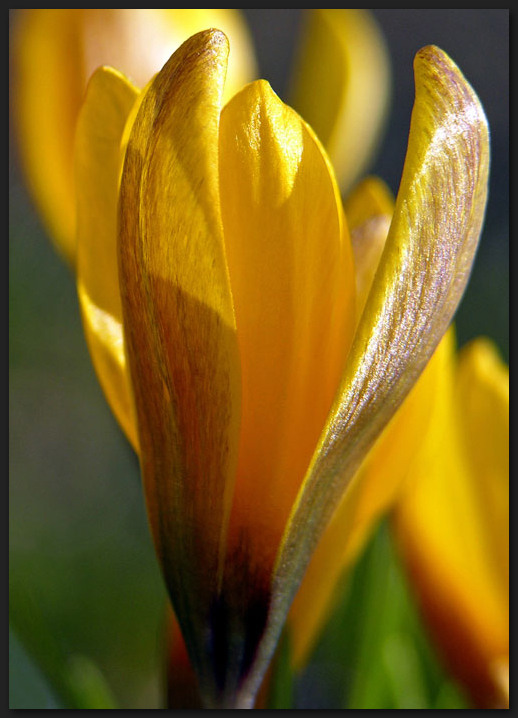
(453, 523)
(101, 123)
(291, 272)
(341, 86)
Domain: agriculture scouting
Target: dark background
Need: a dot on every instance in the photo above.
(83, 576)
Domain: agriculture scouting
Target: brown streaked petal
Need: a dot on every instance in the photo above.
(180, 330)
(419, 282)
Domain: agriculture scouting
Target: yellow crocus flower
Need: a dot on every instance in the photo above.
(452, 523)
(219, 302)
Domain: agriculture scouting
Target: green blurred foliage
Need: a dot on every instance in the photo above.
(374, 652)
(83, 577)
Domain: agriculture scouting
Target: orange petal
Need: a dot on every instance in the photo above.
(291, 272)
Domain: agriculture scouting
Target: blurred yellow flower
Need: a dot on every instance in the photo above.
(54, 54)
(247, 345)
(341, 86)
(452, 522)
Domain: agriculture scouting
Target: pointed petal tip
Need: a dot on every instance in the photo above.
(260, 89)
(437, 64)
(211, 39)
(210, 46)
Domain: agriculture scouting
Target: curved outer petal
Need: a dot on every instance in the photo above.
(108, 102)
(452, 524)
(342, 86)
(180, 332)
(55, 52)
(419, 282)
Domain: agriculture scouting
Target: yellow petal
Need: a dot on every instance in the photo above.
(55, 52)
(291, 273)
(140, 41)
(369, 210)
(372, 492)
(418, 284)
(483, 395)
(342, 86)
(108, 102)
(180, 329)
(47, 93)
(453, 524)
(370, 198)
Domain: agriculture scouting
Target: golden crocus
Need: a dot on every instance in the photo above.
(452, 522)
(218, 288)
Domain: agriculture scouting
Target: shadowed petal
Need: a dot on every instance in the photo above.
(180, 330)
(369, 210)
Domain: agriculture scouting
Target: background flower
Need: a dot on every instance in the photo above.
(69, 526)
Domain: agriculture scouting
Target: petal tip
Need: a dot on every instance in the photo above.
(211, 38)
(438, 65)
